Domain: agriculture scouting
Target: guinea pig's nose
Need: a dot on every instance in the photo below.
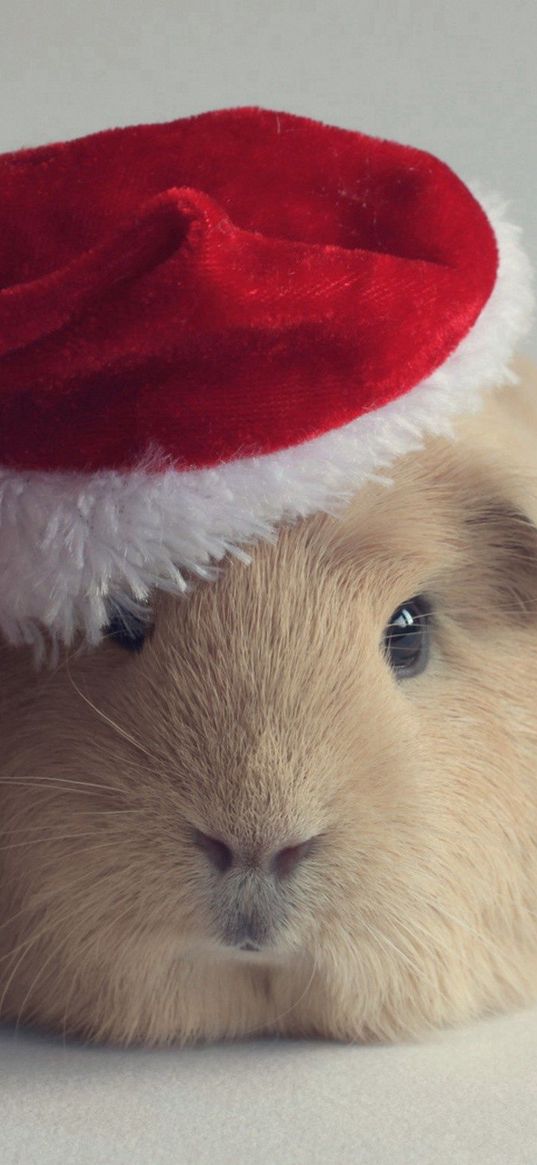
(219, 854)
(285, 860)
(279, 862)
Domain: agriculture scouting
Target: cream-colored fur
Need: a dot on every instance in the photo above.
(263, 712)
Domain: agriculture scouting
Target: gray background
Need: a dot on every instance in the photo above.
(454, 78)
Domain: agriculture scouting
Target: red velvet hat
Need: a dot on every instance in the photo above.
(214, 325)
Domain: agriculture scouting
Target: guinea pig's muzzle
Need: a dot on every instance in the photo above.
(251, 889)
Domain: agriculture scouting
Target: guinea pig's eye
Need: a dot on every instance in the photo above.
(129, 630)
(406, 638)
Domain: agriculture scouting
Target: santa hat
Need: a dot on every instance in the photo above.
(216, 325)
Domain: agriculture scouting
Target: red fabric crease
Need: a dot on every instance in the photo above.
(235, 282)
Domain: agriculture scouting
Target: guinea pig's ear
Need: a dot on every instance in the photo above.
(498, 567)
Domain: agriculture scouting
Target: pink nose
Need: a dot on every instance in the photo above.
(279, 862)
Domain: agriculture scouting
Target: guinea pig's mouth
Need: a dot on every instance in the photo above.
(214, 952)
(252, 937)
(249, 912)
(249, 954)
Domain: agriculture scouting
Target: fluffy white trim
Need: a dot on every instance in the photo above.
(70, 541)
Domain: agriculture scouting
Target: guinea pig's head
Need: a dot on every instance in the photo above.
(301, 799)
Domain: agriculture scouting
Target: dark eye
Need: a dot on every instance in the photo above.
(406, 637)
(129, 629)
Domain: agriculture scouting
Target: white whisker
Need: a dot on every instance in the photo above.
(51, 837)
(121, 731)
(67, 782)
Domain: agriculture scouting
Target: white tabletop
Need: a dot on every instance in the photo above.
(466, 1096)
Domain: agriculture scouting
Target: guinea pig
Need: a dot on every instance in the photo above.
(301, 800)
